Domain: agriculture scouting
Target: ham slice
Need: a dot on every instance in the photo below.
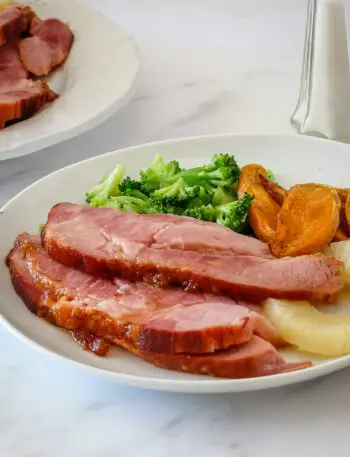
(20, 97)
(255, 358)
(105, 242)
(98, 311)
(15, 21)
(148, 318)
(47, 48)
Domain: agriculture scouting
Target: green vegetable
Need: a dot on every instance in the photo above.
(158, 174)
(208, 192)
(233, 215)
(125, 203)
(271, 176)
(222, 171)
(223, 196)
(108, 187)
(177, 194)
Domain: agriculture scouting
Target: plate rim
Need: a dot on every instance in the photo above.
(210, 385)
(95, 120)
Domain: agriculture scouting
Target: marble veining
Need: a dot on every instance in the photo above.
(208, 67)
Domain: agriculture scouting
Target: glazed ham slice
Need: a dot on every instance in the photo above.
(15, 20)
(20, 97)
(253, 359)
(47, 48)
(149, 318)
(99, 310)
(105, 242)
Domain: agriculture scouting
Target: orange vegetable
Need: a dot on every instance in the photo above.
(264, 210)
(308, 220)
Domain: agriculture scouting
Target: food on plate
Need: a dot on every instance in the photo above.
(341, 251)
(150, 318)
(15, 21)
(192, 269)
(340, 235)
(345, 212)
(276, 192)
(162, 326)
(106, 242)
(20, 97)
(307, 222)
(47, 47)
(90, 342)
(304, 326)
(255, 358)
(26, 44)
(207, 193)
(264, 209)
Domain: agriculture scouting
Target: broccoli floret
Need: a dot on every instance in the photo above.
(235, 214)
(125, 203)
(204, 213)
(132, 188)
(158, 174)
(222, 171)
(270, 175)
(128, 185)
(177, 194)
(157, 206)
(108, 187)
(223, 196)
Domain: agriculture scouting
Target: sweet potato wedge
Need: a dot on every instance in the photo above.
(264, 210)
(340, 235)
(276, 192)
(308, 220)
(344, 196)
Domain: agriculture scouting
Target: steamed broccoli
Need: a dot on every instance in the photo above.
(125, 203)
(158, 174)
(233, 215)
(204, 213)
(128, 184)
(222, 171)
(177, 194)
(270, 175)
(108, 187)
(222, 196)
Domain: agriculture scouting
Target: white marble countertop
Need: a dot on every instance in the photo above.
(208, 67)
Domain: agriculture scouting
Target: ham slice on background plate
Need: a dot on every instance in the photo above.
(20, 96)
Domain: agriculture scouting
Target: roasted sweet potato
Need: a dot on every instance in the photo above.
(275, 191)
(264, 210)
(308, 220)
(340, 235)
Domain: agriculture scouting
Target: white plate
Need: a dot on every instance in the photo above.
(95, 82)
(293, 159)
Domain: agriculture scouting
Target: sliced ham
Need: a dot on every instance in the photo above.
(98, 311)
(253, 359)
(15, 20)
(20, 98)
(12, 70)
(47, 48)
(148, 318)
(105, 242)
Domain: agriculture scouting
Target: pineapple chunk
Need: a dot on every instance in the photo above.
(341, 251)
(304, 326)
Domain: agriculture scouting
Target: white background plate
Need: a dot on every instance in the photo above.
(293, 159)
(95, 82)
